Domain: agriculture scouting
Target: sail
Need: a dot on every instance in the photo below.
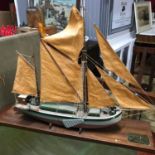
(112, 61)
(25, 80)
(125, 98)
(70, 69)
(70, 41)
(54, 85)
(97, 96)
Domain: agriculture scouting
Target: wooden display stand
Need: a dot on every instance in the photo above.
(114, 135)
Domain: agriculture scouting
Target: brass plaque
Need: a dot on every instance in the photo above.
(137, 138)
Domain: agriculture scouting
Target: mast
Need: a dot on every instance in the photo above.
(37, 83)
(65, 62)
(84, 66)
(84, 78)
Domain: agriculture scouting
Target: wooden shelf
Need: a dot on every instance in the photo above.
(114, 135)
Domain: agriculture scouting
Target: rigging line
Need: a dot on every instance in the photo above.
(149, 98)
(59, 50)
(102, 67)
(142, 96)
(145, 93)
(92, 23)
(90, 19)
(28, 56)
(36, 76)
(129, 109)
(133, 92)
(138, 113)
(95, 62)
(18, 53)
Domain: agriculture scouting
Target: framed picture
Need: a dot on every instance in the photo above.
(121, 15)
(55, 12)
(37, 3)
(143, 16)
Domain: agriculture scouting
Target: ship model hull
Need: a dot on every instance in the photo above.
(63, 78)
(69, 118)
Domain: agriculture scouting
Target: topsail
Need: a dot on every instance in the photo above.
(54, 85)
(70, 41)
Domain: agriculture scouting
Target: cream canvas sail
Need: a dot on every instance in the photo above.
(70, 41)
(25, 80)
(97, 96)
(71, 72)
(54, 85)
(124, 97)
(70, 69)
(112, 61)
(64, 48)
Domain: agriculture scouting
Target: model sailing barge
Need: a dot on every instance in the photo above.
(69, 94)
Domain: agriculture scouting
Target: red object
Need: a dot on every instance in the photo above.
(8, 30)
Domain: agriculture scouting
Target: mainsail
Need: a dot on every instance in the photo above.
(55, 87)
(70, 41)
(97, 96)
(112, 61)
(124, 97)
(64, 49)
(70, 69)
(25, 80)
